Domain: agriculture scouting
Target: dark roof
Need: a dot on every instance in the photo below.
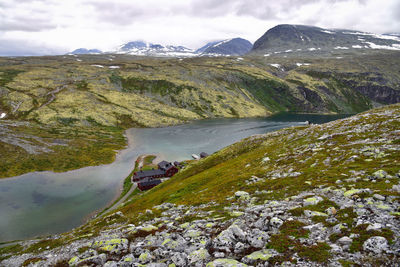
(164, 165)
(142, 174)
(151, 182)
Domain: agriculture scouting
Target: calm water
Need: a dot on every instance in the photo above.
(41, 203)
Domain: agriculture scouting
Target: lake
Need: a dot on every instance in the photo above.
(42, 203)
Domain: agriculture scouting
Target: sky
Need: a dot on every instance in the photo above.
(48, 27)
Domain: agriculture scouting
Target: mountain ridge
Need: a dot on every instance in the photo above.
(291, 38)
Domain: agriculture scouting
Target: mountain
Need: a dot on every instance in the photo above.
(295, 38)
(234, 47)
(315, 195)
(148, 49)
(82, 51)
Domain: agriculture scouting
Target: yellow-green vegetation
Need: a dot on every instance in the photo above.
(74, 93)
(37, 147)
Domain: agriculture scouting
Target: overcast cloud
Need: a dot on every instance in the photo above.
(34, 27)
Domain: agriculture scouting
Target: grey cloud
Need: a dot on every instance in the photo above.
(25, 16)
(123, 13)
(26, 24)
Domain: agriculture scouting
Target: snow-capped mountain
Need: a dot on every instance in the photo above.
(234, 47)
(149, 49)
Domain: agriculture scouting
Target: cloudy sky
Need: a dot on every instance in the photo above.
(35, 27)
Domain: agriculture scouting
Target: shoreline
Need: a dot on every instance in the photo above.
(130, 142)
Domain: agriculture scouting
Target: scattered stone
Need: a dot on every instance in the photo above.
(375, 226)
(225, 263)
(331, 211)
(345, 240)
(378, 197)
(242, 195)
(376, 244)
(381, 174)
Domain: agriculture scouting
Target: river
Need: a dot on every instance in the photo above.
(43, 203)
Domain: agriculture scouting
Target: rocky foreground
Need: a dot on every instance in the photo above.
(338, 205)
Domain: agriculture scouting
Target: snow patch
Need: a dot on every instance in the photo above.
(379, 36)
(357, 46)
(341, 47)
(239, 58)
(222, 42)
(79, 60)
(278, 66)
(302, 64)
(289, 50)
(387, 47)
(2, 115)
(113, 67)
(325, 31)
(266, 55)
(98, 66)
(312, 49)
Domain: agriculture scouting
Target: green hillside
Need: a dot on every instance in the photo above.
(309, 195)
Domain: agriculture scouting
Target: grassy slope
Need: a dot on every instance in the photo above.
(296, 149)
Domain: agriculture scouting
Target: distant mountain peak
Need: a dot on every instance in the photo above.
(149, 49)
(81, 51)
(234, 46)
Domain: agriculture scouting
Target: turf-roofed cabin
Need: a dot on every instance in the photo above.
(165, 169)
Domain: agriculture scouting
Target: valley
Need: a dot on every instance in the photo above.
(89, 97)
(302, 129)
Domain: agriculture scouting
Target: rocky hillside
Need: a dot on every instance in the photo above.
(300, 38)
(313, 195)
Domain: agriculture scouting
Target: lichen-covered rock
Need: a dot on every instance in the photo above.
(226, 263)
(262, 255)
(179, 259)
(97, 260)
(115, 245)
(376, 244)
(242, 195)
(380, 174)
(312, 213)
(275, 222)
(312, 200)
(199, 257)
